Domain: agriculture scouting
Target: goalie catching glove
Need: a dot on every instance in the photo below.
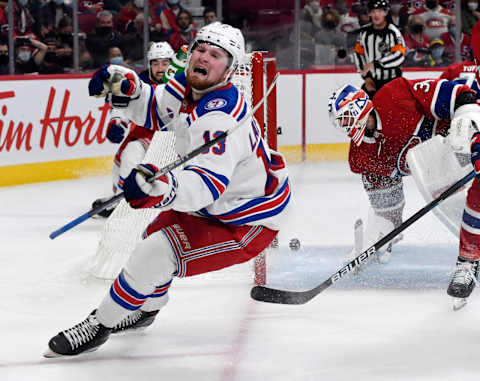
(119, 81)
(140, 193)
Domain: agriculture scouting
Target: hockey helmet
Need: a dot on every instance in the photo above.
(348, 109)
(160, 50)
(224, 36)
(378, 4)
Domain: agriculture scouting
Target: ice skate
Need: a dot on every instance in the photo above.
(136, 321)
(86, 336)
(462, 283)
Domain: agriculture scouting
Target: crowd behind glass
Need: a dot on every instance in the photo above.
(111, 31)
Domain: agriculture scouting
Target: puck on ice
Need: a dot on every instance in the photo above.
(294, 244)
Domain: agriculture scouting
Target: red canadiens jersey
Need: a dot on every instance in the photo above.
(465, 69)
(407, 112)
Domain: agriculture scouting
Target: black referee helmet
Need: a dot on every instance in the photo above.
(378, 4)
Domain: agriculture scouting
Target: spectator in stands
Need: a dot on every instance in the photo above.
(166, 14)
(128, 13)
(186, 31)
(436, 18)
(329, 38)
(209, 16)
(25, 61)
(132, 40)
(52, 11)
(437, 48)
(104, 36)
(398, 15)
(417, 44)
(311, 13)
(90, 6)
(86, 61)
(115, 56)
(50, 64)
(450, 46)
(470, 15)
(348, 20)
(363, 19)
(3, 55)
(22, 19)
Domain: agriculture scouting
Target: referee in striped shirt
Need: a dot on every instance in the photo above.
(379, 50)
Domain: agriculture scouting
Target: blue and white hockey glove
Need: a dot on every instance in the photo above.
(114, 79)
(116, 130)
(140, 193)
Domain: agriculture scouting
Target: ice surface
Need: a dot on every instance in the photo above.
(391, 322)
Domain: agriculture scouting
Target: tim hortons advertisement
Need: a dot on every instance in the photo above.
(51, 119)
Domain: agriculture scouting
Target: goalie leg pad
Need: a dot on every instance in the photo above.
(386, 196)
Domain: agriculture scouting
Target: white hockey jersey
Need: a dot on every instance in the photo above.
(238, 181)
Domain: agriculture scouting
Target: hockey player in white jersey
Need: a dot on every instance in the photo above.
(223, 208)
(134, 139)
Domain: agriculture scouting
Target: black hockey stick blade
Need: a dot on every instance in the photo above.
(272, 295)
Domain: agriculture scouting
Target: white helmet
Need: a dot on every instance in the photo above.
(226, 37)
(159, 50)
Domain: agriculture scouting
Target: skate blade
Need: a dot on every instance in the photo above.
(459, 303)
(49, 354)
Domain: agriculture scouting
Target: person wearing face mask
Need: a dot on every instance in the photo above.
(348, 20)
(380, 49)
(449, 40)
(329, 39)
(311, 13)
(435, 17)
(51, 64)
(417, 44)
(398, 15)
(99, 40)
(29, 54)
(437, 47)
(470, 15)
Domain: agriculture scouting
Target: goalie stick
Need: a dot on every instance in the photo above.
(271, 295)
(174, 164)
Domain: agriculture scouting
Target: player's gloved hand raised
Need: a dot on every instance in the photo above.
(140, 193)
(116, 130)
(114, 79)
(475, 150)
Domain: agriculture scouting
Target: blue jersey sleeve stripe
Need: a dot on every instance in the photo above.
(444, 98)
(244, 111)
(174, 93)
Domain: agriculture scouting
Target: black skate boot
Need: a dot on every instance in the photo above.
(463, 282)
(86, 336)
(139, 319)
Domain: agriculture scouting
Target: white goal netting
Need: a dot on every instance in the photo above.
(125, 226)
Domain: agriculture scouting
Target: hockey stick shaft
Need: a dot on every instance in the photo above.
(174, 164)
(271, 295)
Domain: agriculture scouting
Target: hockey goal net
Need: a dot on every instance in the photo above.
(123, 229)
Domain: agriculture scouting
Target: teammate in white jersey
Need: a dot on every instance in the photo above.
(134, 139)
(223, 208)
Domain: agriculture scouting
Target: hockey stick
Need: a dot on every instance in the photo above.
(271, 295)
(174, 164)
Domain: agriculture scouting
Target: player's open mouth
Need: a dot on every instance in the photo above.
(200, 70)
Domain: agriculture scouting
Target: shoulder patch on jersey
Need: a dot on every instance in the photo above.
(216, 104)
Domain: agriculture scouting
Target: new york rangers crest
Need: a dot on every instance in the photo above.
(215, 104)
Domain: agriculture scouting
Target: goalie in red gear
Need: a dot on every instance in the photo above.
(401, 115)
